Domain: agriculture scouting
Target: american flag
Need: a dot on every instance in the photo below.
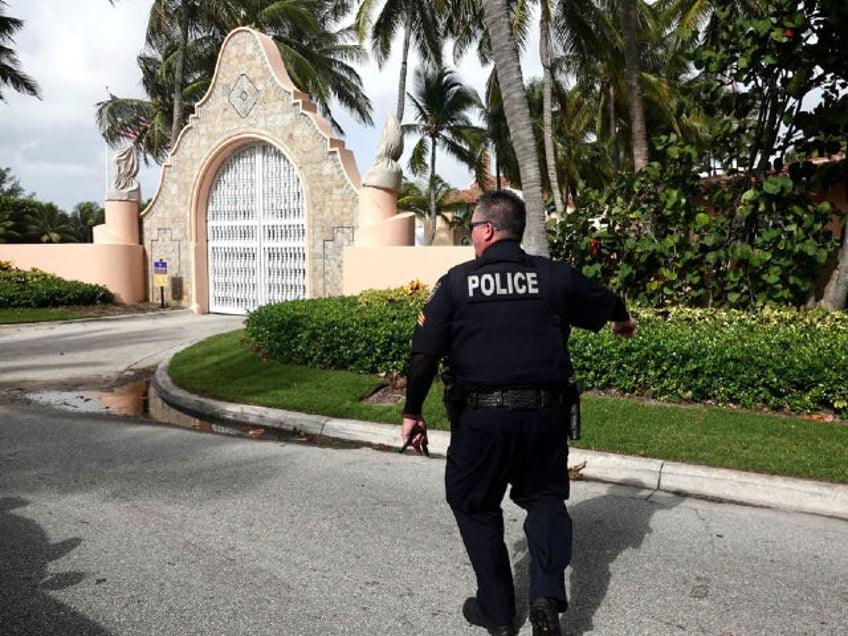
(131, 127)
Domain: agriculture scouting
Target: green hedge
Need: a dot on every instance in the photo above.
(776, 359)
(367, 334)
(26, 289)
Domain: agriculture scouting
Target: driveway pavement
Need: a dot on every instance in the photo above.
(79, 353)
(120, 526)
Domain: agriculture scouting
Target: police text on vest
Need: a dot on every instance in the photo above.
(503, 284)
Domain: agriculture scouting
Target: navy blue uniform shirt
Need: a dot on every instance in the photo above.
(505, 317)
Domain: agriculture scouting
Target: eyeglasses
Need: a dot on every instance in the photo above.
(474, 224)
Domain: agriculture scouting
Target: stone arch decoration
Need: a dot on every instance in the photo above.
(300, 203)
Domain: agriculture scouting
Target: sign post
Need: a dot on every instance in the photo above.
(160, 279)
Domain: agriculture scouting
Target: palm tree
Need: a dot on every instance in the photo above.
(148, 123)
(416, 197)
(10, 66)
(50, 225)
(581, 160)
(596, 54)
(10, 186)
(162, 15)
(7, 226)
(420, 25)
(633, 68)
(508, 69)
(545, 19)
(84, 217)
(318, 53)
(499, 145)
(178, 64)
(441, 103)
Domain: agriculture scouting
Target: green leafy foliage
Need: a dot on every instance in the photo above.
(31, 221)
(664, 236)
(24, 289)
(764, 68)
(779, 359)
(367, 334)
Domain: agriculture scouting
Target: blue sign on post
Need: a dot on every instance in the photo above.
(160, 273)
(160, 279)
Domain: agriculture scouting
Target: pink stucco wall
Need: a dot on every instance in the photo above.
(389, 267)
(118, 267)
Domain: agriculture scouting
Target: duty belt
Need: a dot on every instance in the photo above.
(513, 399)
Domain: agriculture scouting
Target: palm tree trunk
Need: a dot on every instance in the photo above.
(404, 60)
(633, 68)
(616, 159)
(431, 232)
(179, 73)
(516, 108)
(547, 106)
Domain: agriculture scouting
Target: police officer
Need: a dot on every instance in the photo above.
(503, 321)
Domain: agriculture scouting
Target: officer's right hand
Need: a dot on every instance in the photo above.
(414, 439)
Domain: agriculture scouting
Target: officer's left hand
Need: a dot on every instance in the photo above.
(625, 329)
(417, 440)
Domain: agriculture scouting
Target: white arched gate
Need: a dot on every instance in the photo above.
(256, 230)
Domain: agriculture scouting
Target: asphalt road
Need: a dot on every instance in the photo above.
(120, 525)
(99, 352)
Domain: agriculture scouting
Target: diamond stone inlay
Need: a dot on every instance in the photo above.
(243, 96)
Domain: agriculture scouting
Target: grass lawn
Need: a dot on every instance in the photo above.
(15, 316)
(223, 368)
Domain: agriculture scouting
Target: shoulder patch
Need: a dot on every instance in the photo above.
(433, 292)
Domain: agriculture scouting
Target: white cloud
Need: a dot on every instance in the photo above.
(76, 49)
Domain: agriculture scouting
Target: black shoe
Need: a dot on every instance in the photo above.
(544, 616)
(474, 615)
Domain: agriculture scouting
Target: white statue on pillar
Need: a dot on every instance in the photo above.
(378, 222)
(386, 172)
(122, 200)
(125, 187)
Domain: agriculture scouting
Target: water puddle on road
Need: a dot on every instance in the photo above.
(128, 399)
(140, 399)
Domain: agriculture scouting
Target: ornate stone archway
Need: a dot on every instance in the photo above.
(252, 103)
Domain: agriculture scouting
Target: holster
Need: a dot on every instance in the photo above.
(454, 397)
(571, 406)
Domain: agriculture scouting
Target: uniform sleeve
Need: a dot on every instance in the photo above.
(422, 370)
(591, 306)
(432, 331)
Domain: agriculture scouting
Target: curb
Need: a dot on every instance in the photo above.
(731, 486)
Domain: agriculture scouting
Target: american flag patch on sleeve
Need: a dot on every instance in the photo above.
(421, 319)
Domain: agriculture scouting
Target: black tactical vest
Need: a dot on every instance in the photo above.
(505, 329)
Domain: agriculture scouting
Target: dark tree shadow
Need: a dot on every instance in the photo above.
(604, 527)
(25, 552)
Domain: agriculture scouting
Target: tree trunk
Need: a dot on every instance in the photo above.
(633, 68)
(517, 110)
(547, 106)
(404, 61)
(431, 232)
(179, 73)
(616, 158)
(836, 292)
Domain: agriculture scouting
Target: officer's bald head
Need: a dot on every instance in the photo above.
(504, 209)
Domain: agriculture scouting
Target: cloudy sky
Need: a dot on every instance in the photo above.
(75, 49)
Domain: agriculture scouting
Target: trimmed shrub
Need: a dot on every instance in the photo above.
(366, 334)
(778, 359)
(25, 289)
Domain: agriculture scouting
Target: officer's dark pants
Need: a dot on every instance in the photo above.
(489, 449)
